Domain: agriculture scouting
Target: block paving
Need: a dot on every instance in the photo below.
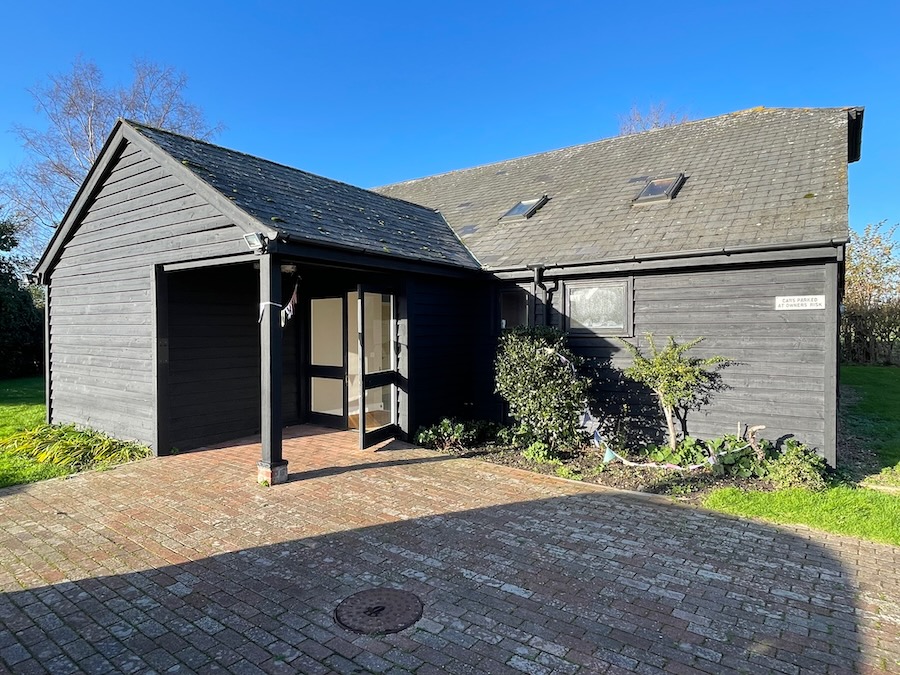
(184, 564)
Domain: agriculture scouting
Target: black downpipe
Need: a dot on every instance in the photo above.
(536, 282)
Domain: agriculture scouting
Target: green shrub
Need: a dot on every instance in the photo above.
(445, 435)
(71, 447)
(449, 434)
(680, 383)
(797, 467)
(569, 473)
(540, 453)
(537, 376)
(734, 457)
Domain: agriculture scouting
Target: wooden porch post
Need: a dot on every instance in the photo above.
(272, 468)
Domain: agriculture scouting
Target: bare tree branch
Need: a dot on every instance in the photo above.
(80, 110)
(656, 117)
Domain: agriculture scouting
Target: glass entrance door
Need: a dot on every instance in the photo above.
(353, 365)
(372, 369)
(328, 361)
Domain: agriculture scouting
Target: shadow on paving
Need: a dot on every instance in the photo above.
(592, 582)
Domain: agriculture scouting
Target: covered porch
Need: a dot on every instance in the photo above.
(262, 342)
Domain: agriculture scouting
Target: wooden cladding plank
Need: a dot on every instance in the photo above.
(100, 279)
(107, 373)
(114, 309)
(130, 201)
(108, 342)
(731, 293)
(727, 316)
(115, 288)
(102, 351)
(89, 320)
(204, 250)
(759, 276)
(114, 220)
(175, 223)
(104, 386)
(111, 297)
(116, 426)
(102, 358)
(685, 330)
(719, 305)
(129, 406)
(191, 238)
(127, 180)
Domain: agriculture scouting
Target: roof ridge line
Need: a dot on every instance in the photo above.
(607, 139)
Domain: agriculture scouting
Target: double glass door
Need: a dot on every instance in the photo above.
(353, 362)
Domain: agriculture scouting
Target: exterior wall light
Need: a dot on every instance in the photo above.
(256, 242)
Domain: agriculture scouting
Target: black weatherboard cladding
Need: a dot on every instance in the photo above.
(101, 305)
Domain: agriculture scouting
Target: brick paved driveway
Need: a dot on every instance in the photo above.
(183, 564)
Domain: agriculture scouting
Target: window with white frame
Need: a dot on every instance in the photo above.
(599, 307)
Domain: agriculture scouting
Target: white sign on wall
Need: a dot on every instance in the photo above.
(783, 302)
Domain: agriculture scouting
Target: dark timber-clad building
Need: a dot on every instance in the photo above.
(197, 294)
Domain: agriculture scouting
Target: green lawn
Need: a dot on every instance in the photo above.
(22, 407)
(868, 514)
(855, 511)
(876, 416)
(21, 404)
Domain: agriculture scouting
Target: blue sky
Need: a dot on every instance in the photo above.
(377, 92)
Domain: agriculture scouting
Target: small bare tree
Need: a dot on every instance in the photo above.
(656, 117)
(80, 110)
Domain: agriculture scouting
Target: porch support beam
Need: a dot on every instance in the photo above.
(272, 467)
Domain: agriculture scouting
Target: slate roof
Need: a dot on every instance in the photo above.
(306, 208)
(759, 177)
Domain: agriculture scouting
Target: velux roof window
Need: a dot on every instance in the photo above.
(660, 189)
(525, 209)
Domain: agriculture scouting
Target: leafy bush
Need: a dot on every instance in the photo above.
(569, 473)
(72, 448)
(445, 435)
(449, 434)
(537, 376)
(733, 455)
(539, 453)
(680, 383)
(21, 322)
(797, 466)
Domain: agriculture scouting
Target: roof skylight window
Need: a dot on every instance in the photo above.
(525, 209)
(660, 189)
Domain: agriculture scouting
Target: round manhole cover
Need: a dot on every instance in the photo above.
(378, 611)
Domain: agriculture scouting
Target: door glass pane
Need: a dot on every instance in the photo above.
(378, 317)
(327, 396)
(379, 407)
(353, 343)
(326, 321)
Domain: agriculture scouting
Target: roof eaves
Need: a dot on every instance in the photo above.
(854, 133)
(834, 242)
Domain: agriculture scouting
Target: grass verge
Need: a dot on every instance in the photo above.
(844, 509)
(17, 470)
(31, 450)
